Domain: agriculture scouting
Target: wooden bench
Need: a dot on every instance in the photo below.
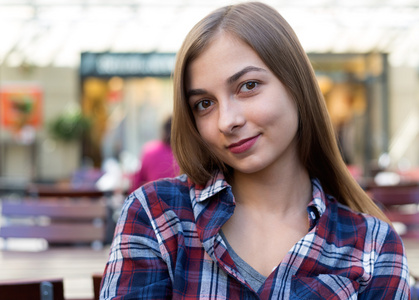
(400, 204)
(57, 220)
(65, 190)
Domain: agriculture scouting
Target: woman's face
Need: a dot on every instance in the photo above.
(241, 109)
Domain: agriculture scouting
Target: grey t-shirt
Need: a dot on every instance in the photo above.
(252, 277)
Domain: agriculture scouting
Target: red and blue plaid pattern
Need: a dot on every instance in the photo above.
(167, 245)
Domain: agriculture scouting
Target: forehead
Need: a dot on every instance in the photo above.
(223, 56)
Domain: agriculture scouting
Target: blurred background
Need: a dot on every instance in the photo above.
(85, 84)
(108, 63)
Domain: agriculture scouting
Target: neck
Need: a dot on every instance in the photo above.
(268, 192)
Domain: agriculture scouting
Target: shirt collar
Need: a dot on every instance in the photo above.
(212, 204)
(315, 208)
(216, 184)
(317, 205)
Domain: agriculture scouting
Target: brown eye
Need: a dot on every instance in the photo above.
(248, 86)
(203, 105)
(206, 104)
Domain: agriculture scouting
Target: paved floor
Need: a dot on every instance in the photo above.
(77, 264)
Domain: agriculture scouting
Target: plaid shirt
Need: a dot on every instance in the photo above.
(167, 245)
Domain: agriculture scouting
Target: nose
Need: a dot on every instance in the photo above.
(231, 116)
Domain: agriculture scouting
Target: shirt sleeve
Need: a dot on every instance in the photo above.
(135, 269)
(390, 277)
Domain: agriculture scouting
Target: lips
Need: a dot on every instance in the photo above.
(243, 145)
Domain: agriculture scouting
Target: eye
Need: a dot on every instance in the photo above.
(248, 86)
(203, 105)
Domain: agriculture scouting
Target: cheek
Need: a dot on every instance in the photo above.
(280, 116)
(268, 115)
(205, 131)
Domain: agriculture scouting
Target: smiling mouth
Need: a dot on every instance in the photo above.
(243, 145)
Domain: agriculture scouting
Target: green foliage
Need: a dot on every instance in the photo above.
(23, 104)
(69, 126)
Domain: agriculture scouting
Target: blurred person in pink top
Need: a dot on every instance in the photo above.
(157, 160)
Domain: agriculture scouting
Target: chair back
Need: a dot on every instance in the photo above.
(97, 279)
(49, 289)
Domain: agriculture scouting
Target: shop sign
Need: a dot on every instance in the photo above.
(127, 64)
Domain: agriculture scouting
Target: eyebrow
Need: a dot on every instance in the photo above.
(196, 92)
(239, 74)
(230, 80)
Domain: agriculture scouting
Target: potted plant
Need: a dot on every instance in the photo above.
(69, 126)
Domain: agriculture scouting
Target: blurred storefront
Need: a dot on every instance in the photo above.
(126, 96)
(356, 91)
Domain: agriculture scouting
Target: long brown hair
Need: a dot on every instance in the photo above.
(272, 38)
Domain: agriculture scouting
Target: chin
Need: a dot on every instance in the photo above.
(249, 169)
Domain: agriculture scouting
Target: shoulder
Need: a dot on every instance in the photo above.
(165, 189)
(160, 196)
(380, 252)
(360, 228)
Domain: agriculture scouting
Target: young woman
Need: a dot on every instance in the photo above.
(266, 208)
